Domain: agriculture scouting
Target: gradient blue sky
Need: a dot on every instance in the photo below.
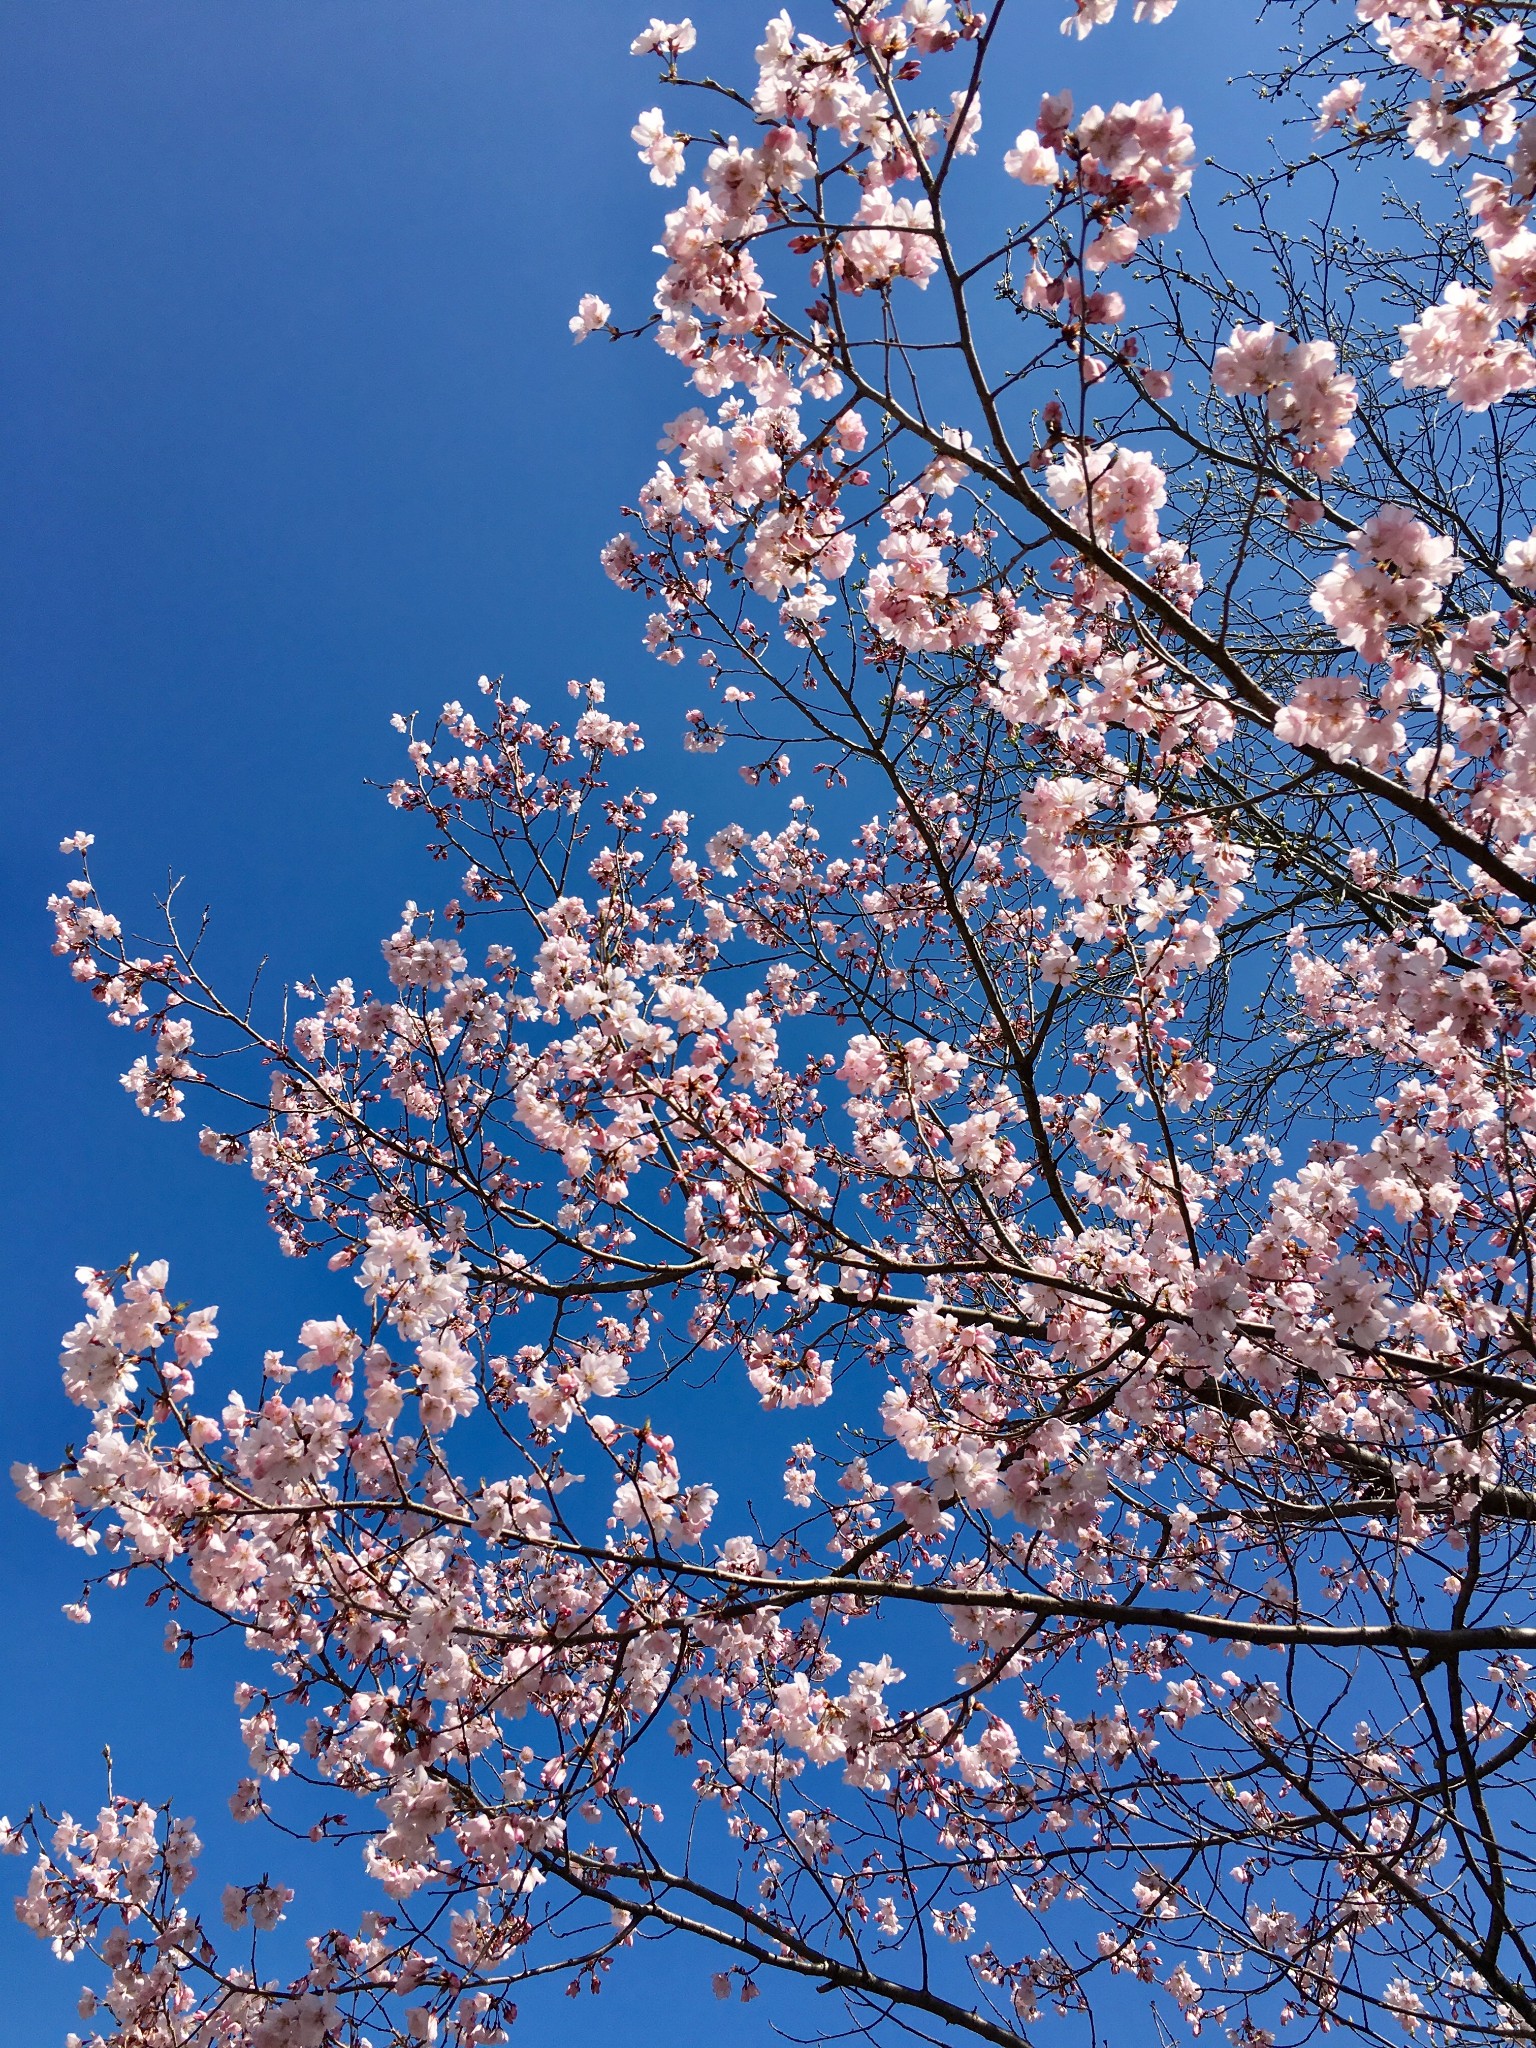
(294, 437)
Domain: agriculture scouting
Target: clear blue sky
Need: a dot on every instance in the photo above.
(294, 437)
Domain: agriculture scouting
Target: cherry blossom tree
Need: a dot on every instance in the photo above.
(1084, 1098)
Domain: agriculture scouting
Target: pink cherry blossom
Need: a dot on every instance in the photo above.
(1030, 161)
(666, 38)
(589, 316)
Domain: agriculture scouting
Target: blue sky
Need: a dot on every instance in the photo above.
(294, 437)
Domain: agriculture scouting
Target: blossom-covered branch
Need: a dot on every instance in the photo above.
(1090, 1075)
